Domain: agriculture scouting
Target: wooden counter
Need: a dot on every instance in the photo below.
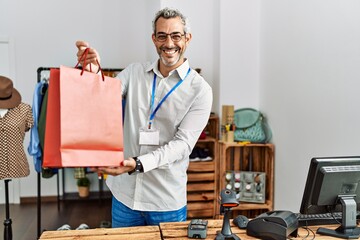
(178, 231)
(169, 231)
(131, 233)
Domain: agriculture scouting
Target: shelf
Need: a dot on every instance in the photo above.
(268, 206)
(248, 160)
(207, 139)
(240, 144)
(202, 186)
(201, 177)
(201, 166)
(198, 196)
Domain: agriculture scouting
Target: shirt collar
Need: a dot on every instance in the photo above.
(181, 70)
(3, 112)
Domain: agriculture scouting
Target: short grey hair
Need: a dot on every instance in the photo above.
(171, 13)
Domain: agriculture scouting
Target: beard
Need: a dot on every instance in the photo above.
(169, 62)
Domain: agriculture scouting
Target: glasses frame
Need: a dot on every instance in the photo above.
(169, 34)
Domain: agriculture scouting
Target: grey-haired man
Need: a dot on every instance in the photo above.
(167, 107)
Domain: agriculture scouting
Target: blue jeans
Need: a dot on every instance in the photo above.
(122, 216)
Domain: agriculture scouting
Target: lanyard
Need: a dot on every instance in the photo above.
(153, 112)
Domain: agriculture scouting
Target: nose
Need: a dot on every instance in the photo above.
(169, 41)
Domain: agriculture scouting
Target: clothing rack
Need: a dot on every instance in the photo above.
(40, 72)
(7, 221)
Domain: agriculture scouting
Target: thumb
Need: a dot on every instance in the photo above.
(82, 45)
(127, 163)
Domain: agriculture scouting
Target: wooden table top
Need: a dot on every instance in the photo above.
(167, 231)
(130, 233)
(178, 231)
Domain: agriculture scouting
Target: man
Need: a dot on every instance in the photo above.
(168, 105)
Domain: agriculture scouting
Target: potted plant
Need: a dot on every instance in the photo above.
(83, 186)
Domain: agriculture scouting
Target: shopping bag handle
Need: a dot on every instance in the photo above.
(83, 57)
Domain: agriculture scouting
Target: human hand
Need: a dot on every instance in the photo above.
(126, 166)
(91, 57)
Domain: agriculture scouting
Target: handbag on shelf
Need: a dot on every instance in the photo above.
(251, 126)
(84, 120)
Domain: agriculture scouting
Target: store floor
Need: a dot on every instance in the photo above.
(24, 216)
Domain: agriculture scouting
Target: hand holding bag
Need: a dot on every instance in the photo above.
(251, 126)
(88, 119)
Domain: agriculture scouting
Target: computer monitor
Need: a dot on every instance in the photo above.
(333, 185)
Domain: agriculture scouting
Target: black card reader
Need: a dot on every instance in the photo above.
(197, 228)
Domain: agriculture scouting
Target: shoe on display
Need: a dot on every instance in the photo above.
(194, 156)
(64, 227)
(82, 226)
(105, 224)
(204, 154)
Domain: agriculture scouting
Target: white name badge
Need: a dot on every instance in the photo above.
(149, 136)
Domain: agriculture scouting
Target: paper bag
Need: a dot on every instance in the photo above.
(51, 155)
(86, 130)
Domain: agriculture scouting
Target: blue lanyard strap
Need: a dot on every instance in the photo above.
(153, 112)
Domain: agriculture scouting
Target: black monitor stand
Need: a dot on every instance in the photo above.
(7, 221)
(348, 228)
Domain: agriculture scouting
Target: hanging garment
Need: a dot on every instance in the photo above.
(34, 148)
(42, 120)
(13, 161)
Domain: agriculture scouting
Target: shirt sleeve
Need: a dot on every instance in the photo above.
(124, 77)
(29, 118)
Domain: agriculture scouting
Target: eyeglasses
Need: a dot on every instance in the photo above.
(175, 36)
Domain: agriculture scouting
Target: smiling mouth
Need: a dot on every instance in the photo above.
(170, 51)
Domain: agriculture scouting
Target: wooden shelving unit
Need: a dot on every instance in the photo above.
(203, 176)
(253, 158)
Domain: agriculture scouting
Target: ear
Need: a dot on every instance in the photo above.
(153, 38)
(188, 38)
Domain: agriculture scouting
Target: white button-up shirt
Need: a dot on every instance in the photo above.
(180, 120)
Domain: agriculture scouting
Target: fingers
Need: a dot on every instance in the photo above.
(126, 166)
(128, 163)
(81, 45)
(111, 171)
(91, 58)
(114, 171)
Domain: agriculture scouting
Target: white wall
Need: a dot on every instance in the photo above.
(309, 81)
(295, 60)
(239, 53)
(45, 32)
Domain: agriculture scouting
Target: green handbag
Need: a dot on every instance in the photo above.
(251, 126)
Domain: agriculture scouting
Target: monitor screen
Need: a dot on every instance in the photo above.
(333, 185)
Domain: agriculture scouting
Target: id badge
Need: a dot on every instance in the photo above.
(149, 136)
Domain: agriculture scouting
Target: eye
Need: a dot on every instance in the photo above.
(161, 37)
(176, 37)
